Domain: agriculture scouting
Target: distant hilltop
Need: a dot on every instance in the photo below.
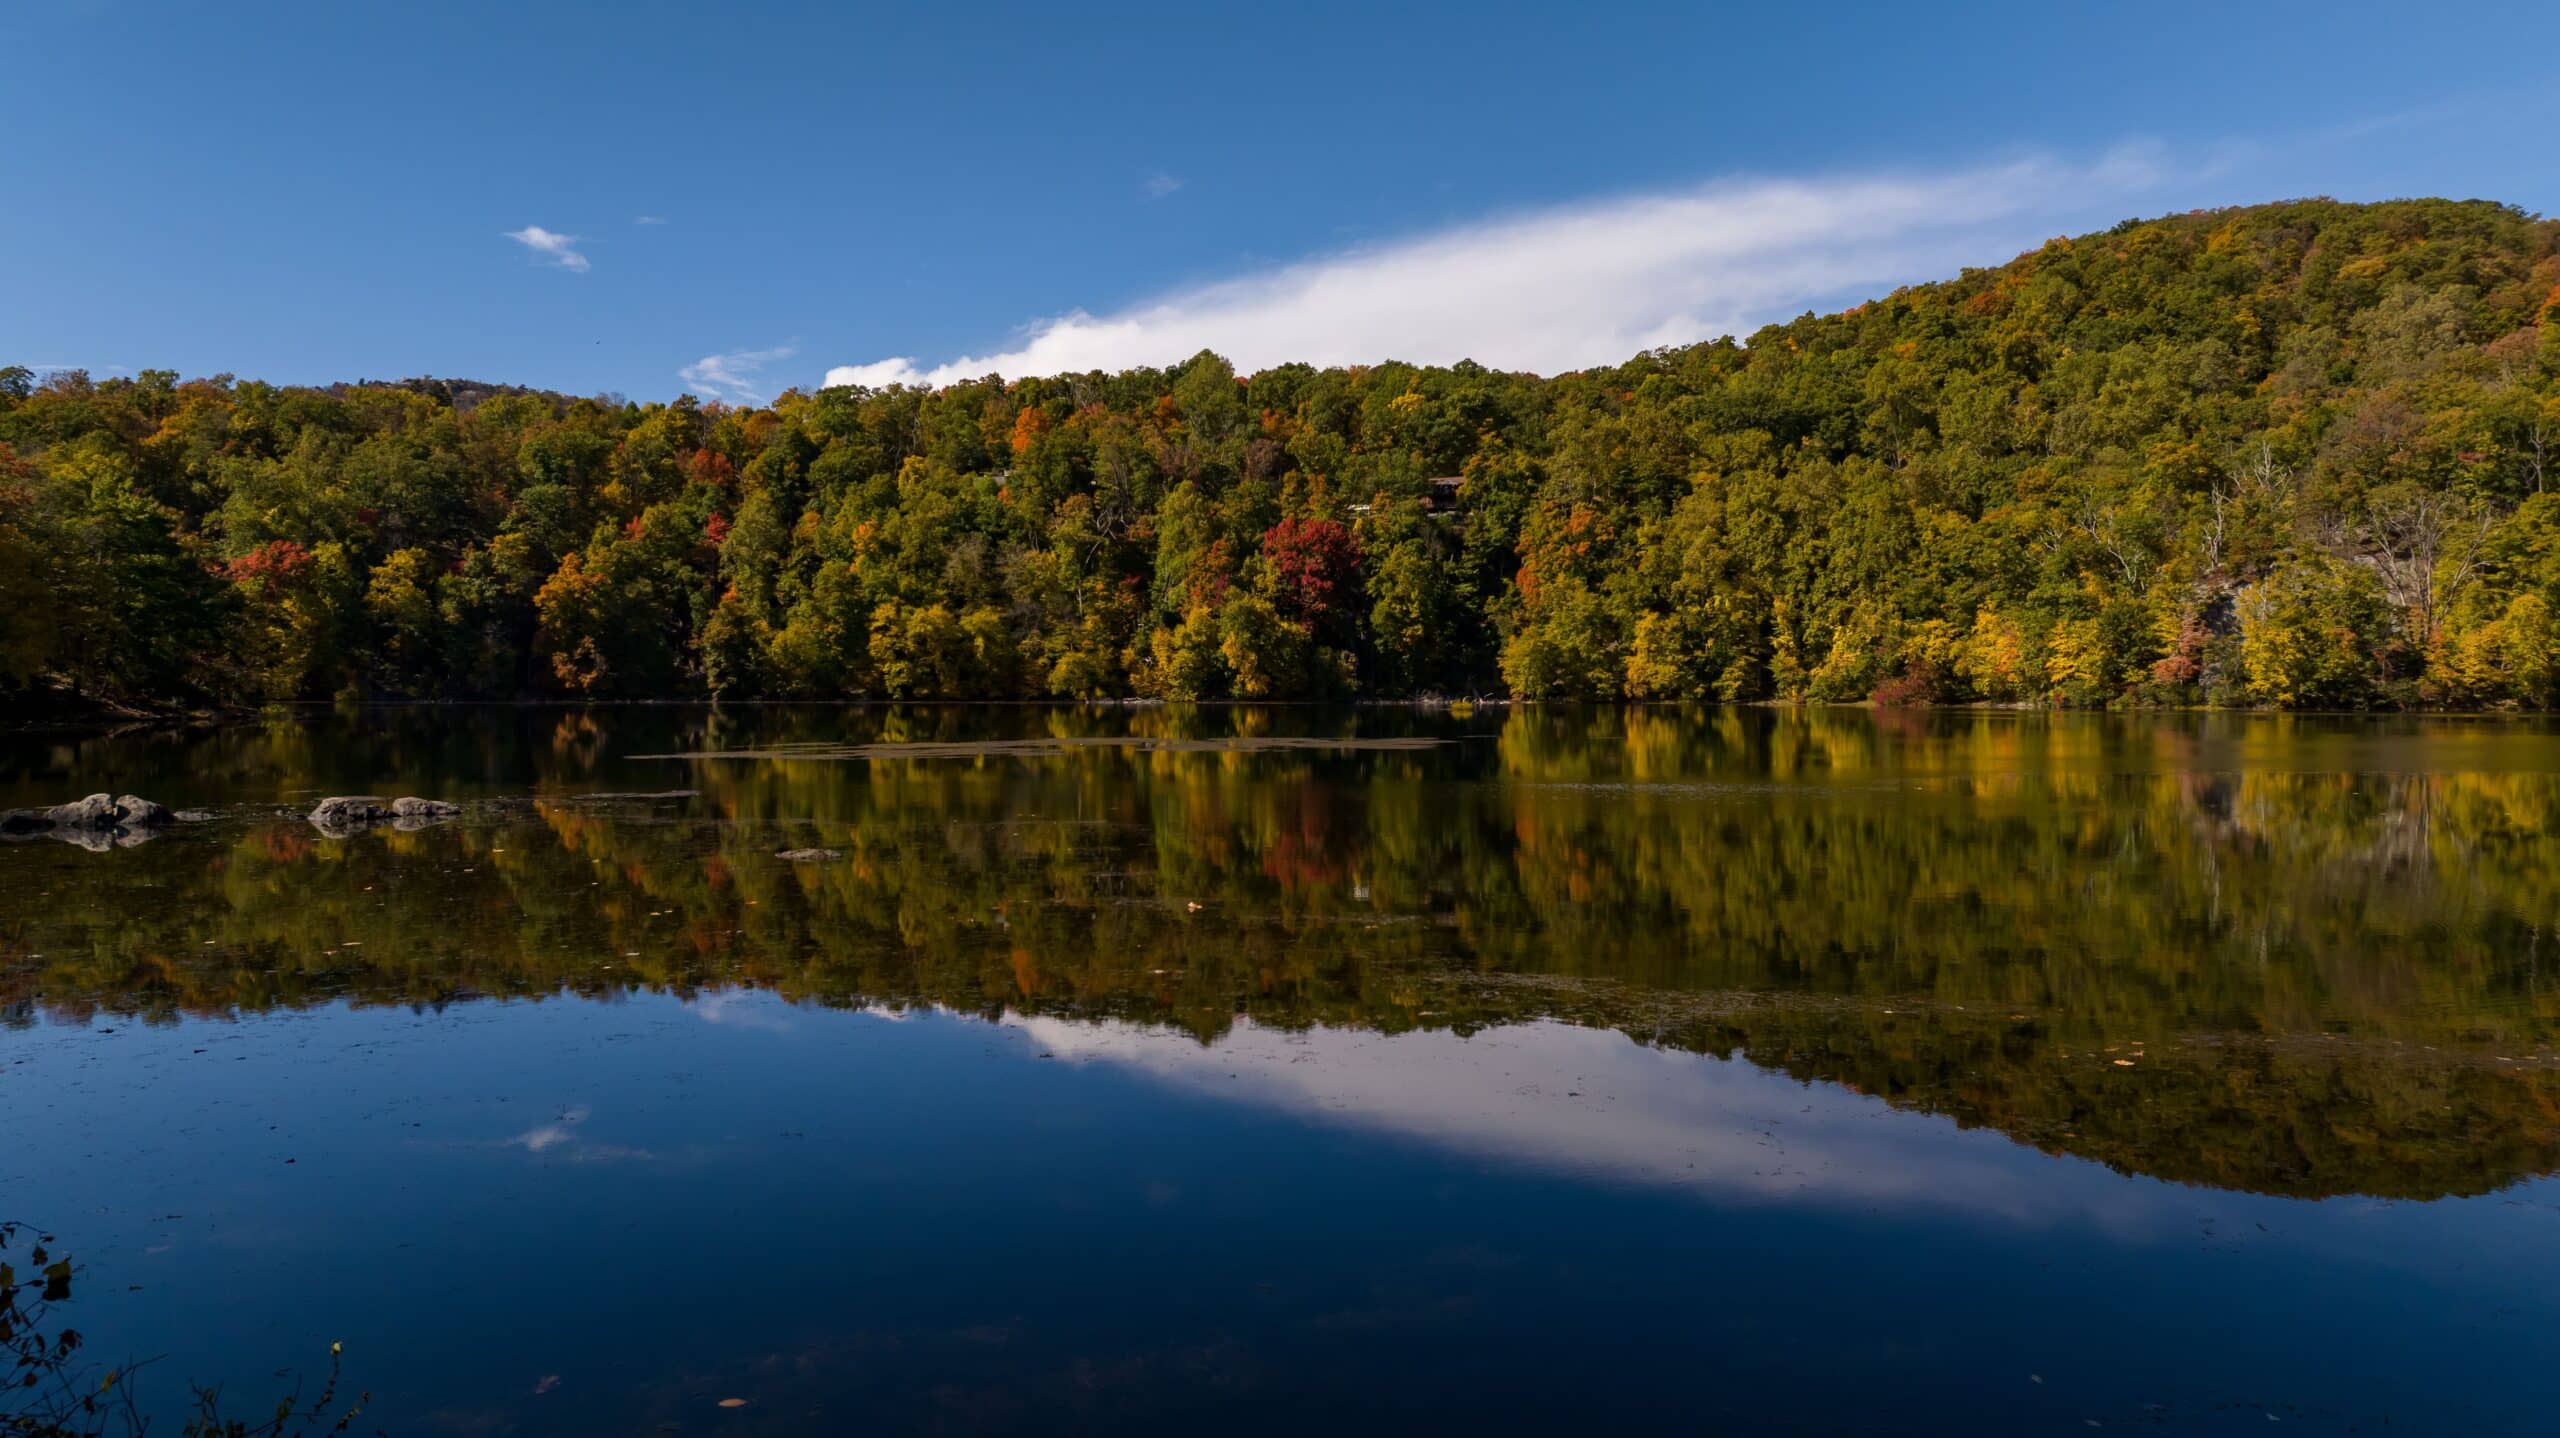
(2293, 455)
(466, 395)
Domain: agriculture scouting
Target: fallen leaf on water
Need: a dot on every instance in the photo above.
(549, 1382)
(2124, 1063)
(733, 1403)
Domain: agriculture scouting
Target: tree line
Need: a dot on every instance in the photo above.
(2289, 456)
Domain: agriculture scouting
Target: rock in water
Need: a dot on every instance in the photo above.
(411, 812)
(98, 811)
(349, 813)
(808, 856)
(141, 813)
(99, 817)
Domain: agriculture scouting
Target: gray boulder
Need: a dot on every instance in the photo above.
(344, 814)
(98, 822)
(98, 811)
(354, 813)
(808, 856)
(141, 813)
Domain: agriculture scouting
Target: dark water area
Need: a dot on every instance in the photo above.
(1140, 1070)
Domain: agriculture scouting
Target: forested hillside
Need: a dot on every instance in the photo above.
(2291, 455)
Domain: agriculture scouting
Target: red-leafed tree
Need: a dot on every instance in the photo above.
(711, 467)
(1314, 567)
(277, 562)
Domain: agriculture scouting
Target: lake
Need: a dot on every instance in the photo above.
(1728, 1070)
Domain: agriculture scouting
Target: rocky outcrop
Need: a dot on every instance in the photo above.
(413, 807)
(809, 856)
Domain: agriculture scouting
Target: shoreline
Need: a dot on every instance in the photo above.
(103, 718)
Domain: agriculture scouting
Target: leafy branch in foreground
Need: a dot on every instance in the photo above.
(51, 1393)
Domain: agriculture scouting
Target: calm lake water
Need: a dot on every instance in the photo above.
(1719, 1071)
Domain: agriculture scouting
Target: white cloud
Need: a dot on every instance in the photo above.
(552, 1135)
(647, 220)
(880, 374)
(742, 1008)
(46, 371)
(548, 1136)
(1597, 1104)
(733, 377)
(1581, 284)
(551, 245)
(560, 1140)
(1160, 184)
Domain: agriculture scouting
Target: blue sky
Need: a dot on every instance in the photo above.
(308, 192)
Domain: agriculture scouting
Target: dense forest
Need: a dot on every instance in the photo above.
(2292, 455)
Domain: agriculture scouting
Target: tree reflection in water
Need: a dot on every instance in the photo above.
(2279, 954)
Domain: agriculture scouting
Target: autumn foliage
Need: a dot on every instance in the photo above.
(2294, 455)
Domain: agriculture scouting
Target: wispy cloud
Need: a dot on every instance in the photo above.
(744, 1009)
(560, 1139)
(554, 247)
(1160, 184)
(734, 376)
(1582, 284)
(546, 1136)
(648, 220)
(1720, 1128)
(44, 370)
